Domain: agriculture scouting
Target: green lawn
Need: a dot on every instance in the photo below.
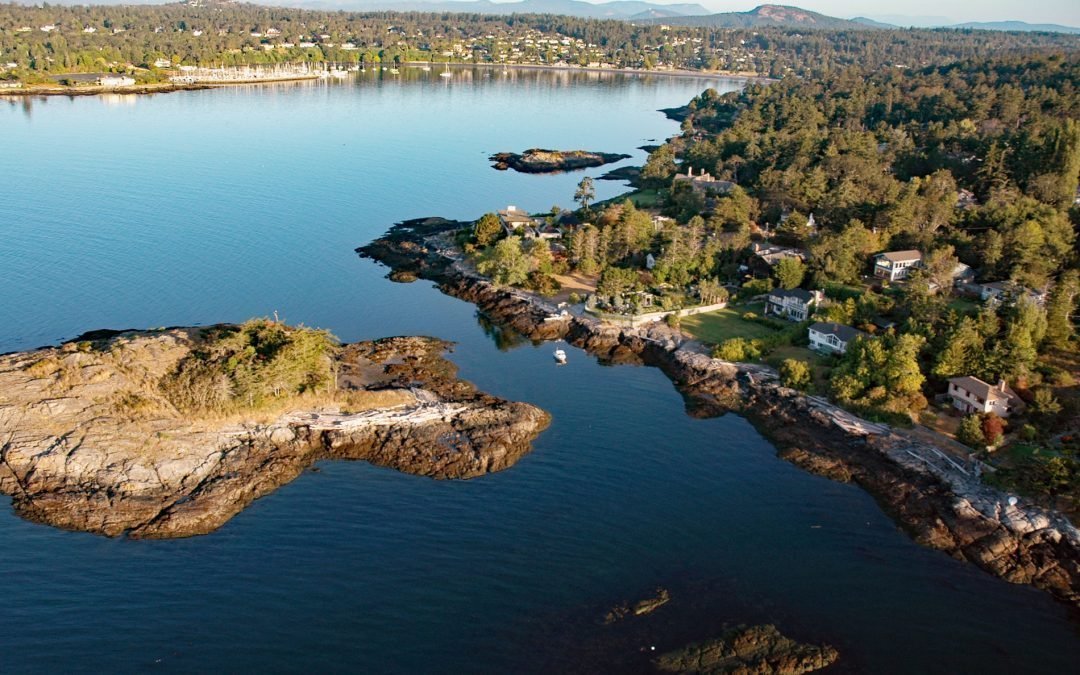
(715, 327)
(965, 306)
(642, 199)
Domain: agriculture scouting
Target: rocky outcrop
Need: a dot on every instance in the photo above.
(748, 650)
(938, 507)
(538, 160)
(640, 608)
(87, 443)
(630, 174)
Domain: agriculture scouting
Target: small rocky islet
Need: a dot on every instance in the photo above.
(748, 650)
(539, 160)
(92, 437)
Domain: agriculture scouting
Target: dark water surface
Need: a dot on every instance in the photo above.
(214, 206)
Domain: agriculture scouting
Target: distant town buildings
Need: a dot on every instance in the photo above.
(113, 80)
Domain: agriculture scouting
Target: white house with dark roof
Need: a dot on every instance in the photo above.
(972, 395)
(793, 304)
(832, 337)
(895, 265)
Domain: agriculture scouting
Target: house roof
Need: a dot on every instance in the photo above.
(803, 295)
(515, 216)
(844, 333)
(774, 254)
(987, 392)
(901, 256)
(961, 270)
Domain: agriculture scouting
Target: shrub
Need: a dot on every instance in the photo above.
(574, 299)
(738, 349)
(755, 287)
(796, 374)
(544, 284)
(970, 432)
(250, 366)
(993, 429)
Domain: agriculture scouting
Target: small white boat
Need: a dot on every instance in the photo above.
(446, 73)
(426, 69)
(560, 356)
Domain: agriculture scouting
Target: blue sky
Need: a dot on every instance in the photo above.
(1065, 12)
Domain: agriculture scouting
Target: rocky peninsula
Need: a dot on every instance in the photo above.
(934, 503)
(92, 436)
(538, 160)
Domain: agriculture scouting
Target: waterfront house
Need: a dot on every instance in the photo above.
(111, 80)
(543, 231)
(832, 338)
(514, 219)
(794, 305)
(972, 395)
(704, 182)
(895, 265)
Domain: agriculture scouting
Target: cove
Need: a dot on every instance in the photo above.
(214, 206)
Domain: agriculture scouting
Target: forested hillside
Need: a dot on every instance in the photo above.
(58, 39)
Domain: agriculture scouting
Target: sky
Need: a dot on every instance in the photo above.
(1065, 12)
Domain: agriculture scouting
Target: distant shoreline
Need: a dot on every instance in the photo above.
(138, 89)
(705, 74)
(167, 87)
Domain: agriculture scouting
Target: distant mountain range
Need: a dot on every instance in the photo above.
(1018, 26)
(795, 17)
(768, 15)
(618, 9)
(640, 11)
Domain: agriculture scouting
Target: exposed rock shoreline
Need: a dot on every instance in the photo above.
(538, 160)
(79, 451)
(937, 506)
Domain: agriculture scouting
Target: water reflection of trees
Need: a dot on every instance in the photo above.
(504, 337)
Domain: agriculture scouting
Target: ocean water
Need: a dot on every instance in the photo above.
(199, 207)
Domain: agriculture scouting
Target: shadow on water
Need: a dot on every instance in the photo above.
(503, 337)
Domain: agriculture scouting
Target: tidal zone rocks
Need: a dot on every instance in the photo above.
(87, 442)
(748, 650)
(943, 510)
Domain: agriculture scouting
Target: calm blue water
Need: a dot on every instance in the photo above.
(215, 206)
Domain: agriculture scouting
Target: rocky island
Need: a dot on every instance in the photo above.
(538, 160)
(937, 506)
(172, 432)
(748, 649)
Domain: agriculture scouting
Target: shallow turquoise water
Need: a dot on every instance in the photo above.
(211, 206)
